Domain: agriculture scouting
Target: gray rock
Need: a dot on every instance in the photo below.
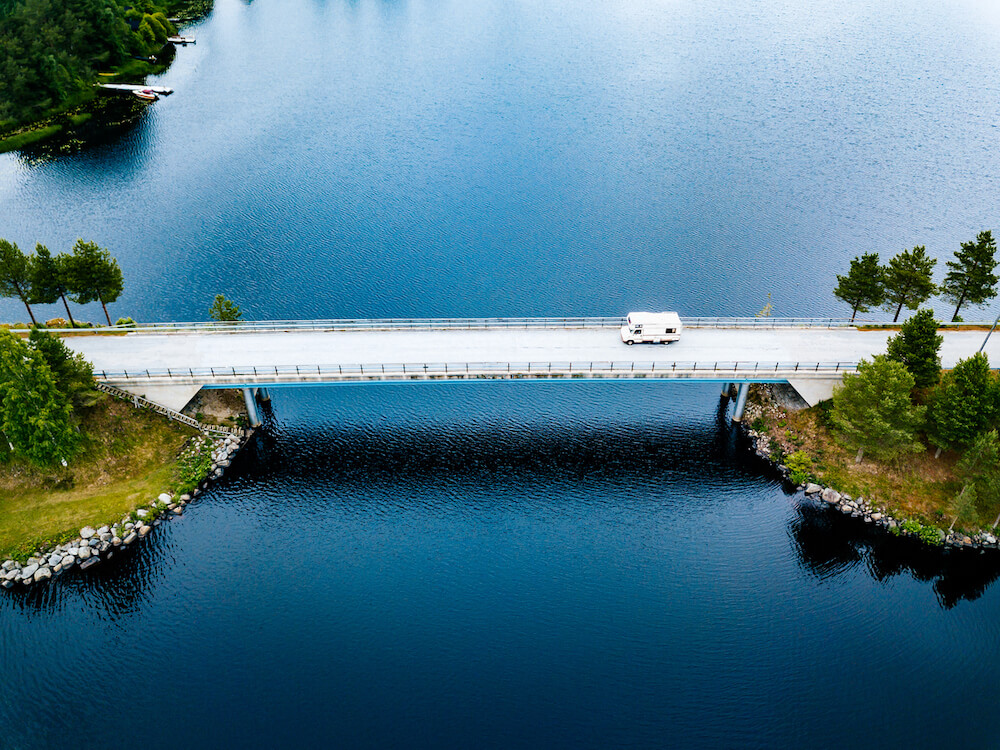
(142, 512)
(177, 511)
(143, 530)
(831, 496)
(103, 530)
(6, 584)
(156, 522)
(812, 488)
(185, 498)
(107, 536)
(68, 561)
(130, 538)
(29, 570)
(164, 498)
(12, 574)
(84, 553)
(89, 563)
(74, 550)
(105, 546)
(116, 541)
(93, 542)
(876, 516)
(86, 532)
(54, 559)
(8, 565)
(42, 573)
(989, 539)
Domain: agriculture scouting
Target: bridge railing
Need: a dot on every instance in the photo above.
(428, 370)
(396, 324)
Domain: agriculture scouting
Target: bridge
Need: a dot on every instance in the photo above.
(169, 363)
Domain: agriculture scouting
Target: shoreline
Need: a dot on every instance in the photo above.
(868, 511)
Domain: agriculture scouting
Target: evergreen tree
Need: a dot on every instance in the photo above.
(873, 410)
(963, 507)
(980, 467)
(908, 280)
(224, 309)
(863, 288)
(917, 346)
(36, 418)
(73, 374)
(970, 277)
(964, 405)
(48, 279)
(93, 275)
(15, 275)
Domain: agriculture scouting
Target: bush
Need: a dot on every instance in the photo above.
(799, 464)
(127, 322)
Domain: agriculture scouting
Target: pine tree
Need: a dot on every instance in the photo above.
(908, 280)
(863, 288)
(963, 507)
(964, 405)
(873, 410)
(73, 374)
(224, 309)
(980, 467)
(15, 275)
(34, 416)
(917, 346)
(48, 279)
(971, 278)
(93, 275)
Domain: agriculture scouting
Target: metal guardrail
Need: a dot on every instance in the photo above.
(446, 370)
(139, 401)
(397, 324)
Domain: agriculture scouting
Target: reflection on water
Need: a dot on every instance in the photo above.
(830, 543)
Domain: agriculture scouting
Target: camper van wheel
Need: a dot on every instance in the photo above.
(630, 342)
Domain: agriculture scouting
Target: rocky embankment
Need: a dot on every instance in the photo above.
(866, 512)
(96, 544)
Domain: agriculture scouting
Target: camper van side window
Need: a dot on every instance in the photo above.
(670, 330)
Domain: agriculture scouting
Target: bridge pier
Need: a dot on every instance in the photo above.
(253, 415)
(726, 390)
(741, 402)
(263, 395)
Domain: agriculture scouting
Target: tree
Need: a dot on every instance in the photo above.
(964, 405)
(93, 275)
(873, 410)
(224, 309)
(963, 507)
(73, 374)
(15, 275)
(863, 288)
(49, 279)
(980, 466)
(908, 280)
(35, 417)
(917, 346)
(971, 278)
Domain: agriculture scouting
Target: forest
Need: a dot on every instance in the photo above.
(51, 51)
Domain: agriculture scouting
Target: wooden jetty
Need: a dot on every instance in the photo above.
(136, 87)
(182, 40)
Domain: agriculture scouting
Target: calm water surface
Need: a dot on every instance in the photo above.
(515, 564)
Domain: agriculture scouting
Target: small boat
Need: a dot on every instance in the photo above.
(146, 94)
(181, 39)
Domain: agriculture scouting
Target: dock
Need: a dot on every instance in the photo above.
(182, 40)
(163, 90)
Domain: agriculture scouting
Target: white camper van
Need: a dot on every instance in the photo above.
(651, 328)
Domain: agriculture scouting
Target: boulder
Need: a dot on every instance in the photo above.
(29, 570)
(116, 541)
(142, 512)
(107, 536)
(185, 498)
(876, 516)
(164, 498)
(42, 573)
(90, 562)
(54, 559)
(84, 553)
(177, 511)
(12, 574)
(86, 532)
(830, 495)
(143, 530)
(812, 488)
(130, 538)
(103, 530)
(8, 565)
(68, 561)
(6, 584)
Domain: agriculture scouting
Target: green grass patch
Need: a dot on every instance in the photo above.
(129, 456)
(20, 140)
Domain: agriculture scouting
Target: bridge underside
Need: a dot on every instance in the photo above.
(175, 392)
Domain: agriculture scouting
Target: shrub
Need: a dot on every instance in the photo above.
(127, 322)
(798, 464)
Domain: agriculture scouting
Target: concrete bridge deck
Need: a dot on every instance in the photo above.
(168, 365)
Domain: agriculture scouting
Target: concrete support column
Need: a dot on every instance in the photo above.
(741, 402)
(726, 388)
(263, 396)
(252, 414)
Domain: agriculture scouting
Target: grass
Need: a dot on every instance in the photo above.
(20, 140)
(921, 487)
(129, 457)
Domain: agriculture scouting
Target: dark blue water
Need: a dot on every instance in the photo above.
(518, 564)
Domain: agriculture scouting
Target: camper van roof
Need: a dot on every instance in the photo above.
(667, 318)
